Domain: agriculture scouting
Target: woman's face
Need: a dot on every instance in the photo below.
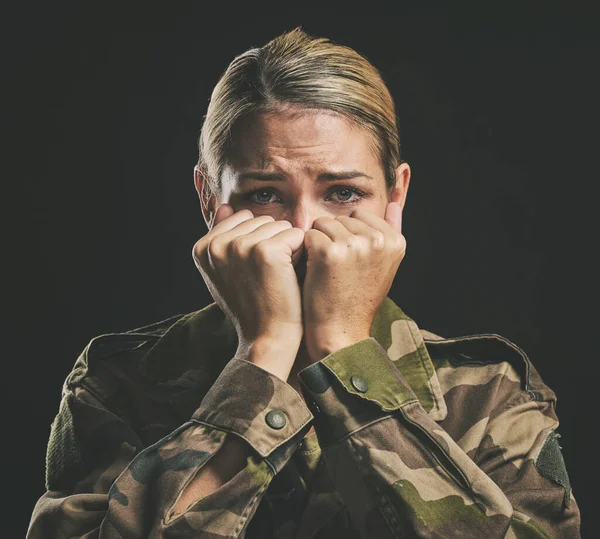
(299, 167)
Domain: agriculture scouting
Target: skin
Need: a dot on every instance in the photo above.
(352, 250)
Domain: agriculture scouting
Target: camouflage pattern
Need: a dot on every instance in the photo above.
(441, 438)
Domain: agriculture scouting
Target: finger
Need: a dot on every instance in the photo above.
(293, 238)
(315, 240)
(228, 219)
(393, 215)
(376, 222)
(224, 222)
(255, 230)
(356, 226)
(247, 227)
(335, 230)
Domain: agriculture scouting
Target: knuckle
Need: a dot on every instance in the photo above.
(359, 241)
(215, 248)
(378, 240)
(197, 250)
(400, 244)
(237, 245)
(309, 236)
(333, 253)
(356, 242)
(262, 250)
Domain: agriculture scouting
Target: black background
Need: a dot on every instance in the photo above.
(101, 113)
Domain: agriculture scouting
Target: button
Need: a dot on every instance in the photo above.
(359, 383)
(275, 419)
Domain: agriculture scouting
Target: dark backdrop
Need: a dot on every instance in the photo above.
(101, 115)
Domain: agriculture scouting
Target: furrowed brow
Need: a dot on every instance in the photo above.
(322, 177)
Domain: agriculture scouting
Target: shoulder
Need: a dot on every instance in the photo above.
(126, 345)
(479, 358)
(157, 373)
(106, 393)
(102, 403)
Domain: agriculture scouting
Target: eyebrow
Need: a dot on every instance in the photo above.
(322, 177)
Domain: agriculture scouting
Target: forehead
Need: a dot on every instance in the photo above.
(301, 136)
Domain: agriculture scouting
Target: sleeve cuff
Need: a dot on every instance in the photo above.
(353, 387)
(257, 406)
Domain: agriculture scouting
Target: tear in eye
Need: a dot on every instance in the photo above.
(262, 197)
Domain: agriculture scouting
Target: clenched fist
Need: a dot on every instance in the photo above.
(351, 264)
(247, 264)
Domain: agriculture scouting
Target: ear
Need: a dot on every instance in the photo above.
(208, 201)
(399, 192)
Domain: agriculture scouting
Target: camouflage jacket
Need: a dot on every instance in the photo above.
(415, 436)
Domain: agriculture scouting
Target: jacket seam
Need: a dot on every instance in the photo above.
(386, 508)
(358, 429)
(424, 363)
(248, 509)
(266, 456)
(524, 357)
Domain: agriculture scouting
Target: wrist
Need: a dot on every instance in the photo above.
(275, 355)
(321, 347)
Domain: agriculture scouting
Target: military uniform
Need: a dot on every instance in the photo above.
(415, 436)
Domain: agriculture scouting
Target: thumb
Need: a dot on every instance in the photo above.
(393, 215)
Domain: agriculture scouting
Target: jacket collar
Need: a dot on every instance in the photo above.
(194, 350)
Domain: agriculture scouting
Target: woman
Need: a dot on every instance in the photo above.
(303, 402)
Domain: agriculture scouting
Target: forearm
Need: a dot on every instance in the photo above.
(398, 471)
(208, 474)
(221, 468)
(271, 355)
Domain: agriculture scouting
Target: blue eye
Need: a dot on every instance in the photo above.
(352, 190)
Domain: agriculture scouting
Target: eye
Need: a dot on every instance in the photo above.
(348, 191)
(264, 193)
(263, 196)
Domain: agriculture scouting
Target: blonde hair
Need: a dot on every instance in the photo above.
(297, 71)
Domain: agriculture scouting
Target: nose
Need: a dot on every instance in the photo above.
(304, 215)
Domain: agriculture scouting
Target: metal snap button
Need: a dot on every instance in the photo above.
(359, 383)
(275, 419)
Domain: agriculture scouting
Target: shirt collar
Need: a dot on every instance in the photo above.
(195, 349)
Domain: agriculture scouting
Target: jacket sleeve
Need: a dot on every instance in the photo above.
(102, 483)
(401, 475)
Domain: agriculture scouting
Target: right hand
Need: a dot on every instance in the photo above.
(247, 264)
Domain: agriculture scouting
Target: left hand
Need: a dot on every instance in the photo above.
(351, 264)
